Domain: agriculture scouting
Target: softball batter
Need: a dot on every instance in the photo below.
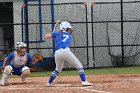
(63, 53)
(18, 60)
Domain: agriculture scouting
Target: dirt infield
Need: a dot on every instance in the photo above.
(71, 84)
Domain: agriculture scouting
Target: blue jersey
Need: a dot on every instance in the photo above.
(62, 40)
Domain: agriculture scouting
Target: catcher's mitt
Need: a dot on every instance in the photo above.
(37, 57)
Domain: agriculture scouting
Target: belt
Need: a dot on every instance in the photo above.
(63, 48)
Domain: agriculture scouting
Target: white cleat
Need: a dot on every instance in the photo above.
(86, 83)
(5, 83)
(2, 84)
(23, 80)
(48, 84)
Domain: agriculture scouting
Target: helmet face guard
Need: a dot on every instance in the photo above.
(21, 47)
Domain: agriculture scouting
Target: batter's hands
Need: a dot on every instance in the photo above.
(57, 21)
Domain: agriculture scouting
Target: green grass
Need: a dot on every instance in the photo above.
(96, 71)
(122, 70)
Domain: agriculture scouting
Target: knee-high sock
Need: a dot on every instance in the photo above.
(82, 74)
(53, 76)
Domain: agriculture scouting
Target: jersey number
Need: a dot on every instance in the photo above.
(65, 38)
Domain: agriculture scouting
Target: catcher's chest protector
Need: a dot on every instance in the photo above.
(19, 61)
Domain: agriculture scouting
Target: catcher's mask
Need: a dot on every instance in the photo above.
(65, 26)
(21, 47)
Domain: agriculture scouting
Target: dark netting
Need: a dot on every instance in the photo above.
(132, 39)
(107, 31)
(6, 28)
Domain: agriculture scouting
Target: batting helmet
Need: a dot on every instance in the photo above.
(64, 25)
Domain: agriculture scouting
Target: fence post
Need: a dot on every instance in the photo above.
(87, 35)
(122, 44)
(26, 25)
(52, 17)
(40, 19)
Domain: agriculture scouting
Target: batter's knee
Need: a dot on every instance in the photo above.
(25, 71)
(8, 70)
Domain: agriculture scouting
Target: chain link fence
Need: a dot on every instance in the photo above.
(63, 12)
(105, 33)
(116, 33)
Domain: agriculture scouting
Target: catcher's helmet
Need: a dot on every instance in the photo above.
(64, 25)
(19, 46)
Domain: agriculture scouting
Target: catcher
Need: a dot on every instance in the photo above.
(18, 59)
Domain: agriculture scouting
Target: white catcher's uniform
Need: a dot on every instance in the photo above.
(18, 63)
(17, 66)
